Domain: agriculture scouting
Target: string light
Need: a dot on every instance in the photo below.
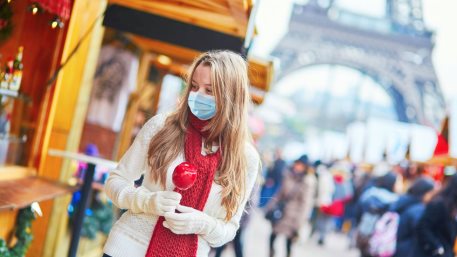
(56, 23)
(34, 8)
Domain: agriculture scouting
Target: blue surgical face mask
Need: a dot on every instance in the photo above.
(202, 106)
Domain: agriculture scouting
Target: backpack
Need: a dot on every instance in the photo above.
(367, 223)
(365, 230)
(383, 240)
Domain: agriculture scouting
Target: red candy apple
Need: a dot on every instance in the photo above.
(184, 175)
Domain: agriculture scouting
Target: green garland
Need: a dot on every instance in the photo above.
(100, 219)
(6, 24)
(23, 234)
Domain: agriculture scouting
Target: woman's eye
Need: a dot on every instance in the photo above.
(209, 92)
(194, 87)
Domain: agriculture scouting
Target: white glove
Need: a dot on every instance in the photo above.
(189, 221)
(161, 202)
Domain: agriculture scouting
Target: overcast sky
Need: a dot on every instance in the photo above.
(440, 16)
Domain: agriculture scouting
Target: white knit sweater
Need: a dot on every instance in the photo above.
(130, 235)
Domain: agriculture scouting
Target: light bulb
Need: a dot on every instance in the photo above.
(164, 60)
(56, 23)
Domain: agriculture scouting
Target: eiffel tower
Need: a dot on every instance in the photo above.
(395, 50)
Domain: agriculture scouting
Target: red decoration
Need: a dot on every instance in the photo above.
(335, 209)
(184, 175)
(442, 146)
(60, 8)
(3, 23)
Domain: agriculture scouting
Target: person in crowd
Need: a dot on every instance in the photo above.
(410, 208)
(238, 240)
(342, 193)
(373, 203)
(362, 180)
(209, 129)
(437, 228)
(324, 197)
(379, 190)
(412, 172)
(297, 193)
(273, 179)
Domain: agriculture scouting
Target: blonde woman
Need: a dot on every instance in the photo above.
(208, 129)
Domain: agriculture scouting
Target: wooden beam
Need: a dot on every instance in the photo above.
(260, 71)
(134, 103)
(211, 19)
(240, 15)
(177, 53)
(208, 5)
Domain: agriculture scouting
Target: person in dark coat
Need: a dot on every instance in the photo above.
(437, 229)
(273, 179)
(410, 208)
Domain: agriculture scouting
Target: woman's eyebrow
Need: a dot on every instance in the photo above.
(205, 84)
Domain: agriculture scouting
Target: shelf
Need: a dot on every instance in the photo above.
(13, 139)
(19, 193)
(14, 94)
(10, 172)
(10, 93)
(83, 158)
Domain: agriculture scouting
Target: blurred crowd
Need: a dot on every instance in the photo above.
(408, 209)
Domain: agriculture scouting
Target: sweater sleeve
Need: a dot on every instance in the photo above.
(120, 184)
(225, 231)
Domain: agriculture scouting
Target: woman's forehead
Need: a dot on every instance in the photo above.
(202, 74)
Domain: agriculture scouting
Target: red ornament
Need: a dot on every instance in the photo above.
(184, 175)
(3, 23)
(61, 8)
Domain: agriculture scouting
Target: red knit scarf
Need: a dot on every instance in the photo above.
(165, 243)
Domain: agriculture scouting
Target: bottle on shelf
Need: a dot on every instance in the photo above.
(17, 70)
(7, 74)
(3, 82)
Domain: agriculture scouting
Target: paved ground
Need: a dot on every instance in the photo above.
(257, 236)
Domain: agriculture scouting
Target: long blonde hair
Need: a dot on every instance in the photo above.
(229, 126)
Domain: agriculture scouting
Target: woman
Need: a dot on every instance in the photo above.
(209, 130)
(297, 191)
(437, 229)
(410, 208)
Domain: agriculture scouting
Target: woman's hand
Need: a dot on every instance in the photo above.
(189, 221)
(162, 202)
